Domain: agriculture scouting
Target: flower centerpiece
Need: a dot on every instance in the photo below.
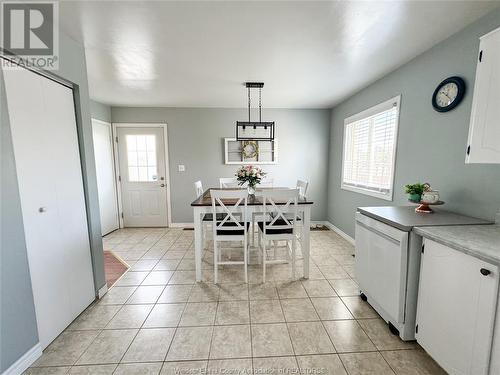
(250, 175)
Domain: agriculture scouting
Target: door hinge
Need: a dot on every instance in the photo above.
(480, 56)
(122, 215)
(468, 150)
(120, 178)
(416, 328)
(116, 139)
(423, 248)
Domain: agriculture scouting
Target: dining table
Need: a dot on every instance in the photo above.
(203, 205)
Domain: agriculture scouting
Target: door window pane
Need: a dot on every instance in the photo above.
(141, 158)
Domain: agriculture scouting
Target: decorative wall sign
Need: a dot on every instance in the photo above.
(250, 152)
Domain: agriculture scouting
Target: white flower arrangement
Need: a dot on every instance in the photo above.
(249, 174)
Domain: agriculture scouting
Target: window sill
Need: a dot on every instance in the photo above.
(387, 197)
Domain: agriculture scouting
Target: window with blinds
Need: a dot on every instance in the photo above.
(369, 150)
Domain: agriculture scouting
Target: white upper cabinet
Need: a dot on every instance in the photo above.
(484, 131)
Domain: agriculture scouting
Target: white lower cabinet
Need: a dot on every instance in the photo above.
(457, 302)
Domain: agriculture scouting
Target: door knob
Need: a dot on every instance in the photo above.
(42, 209)
(485, 272)
(162, 185)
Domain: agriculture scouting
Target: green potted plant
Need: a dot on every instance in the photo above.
(415, 191)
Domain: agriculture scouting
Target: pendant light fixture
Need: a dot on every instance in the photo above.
(256, 130)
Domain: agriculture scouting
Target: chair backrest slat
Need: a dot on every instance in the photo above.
(233, 205)
(281, 204)
(267, 183)
(228, 182)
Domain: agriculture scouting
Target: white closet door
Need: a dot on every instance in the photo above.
(104, 165)
(43, 127)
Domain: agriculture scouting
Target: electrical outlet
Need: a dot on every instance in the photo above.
(182, 168)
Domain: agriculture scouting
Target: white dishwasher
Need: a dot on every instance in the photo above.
(381, 265)
(387, 260)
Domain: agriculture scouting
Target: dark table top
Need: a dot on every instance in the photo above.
(206, 200)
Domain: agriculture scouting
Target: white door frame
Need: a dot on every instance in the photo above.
(163, 125)
(115, 187)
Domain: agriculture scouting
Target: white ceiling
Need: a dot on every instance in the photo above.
(197, 54)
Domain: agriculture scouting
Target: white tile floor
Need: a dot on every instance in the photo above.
(157, 320)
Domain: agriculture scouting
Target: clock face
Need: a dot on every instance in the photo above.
(448, 94)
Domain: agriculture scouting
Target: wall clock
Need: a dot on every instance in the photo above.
(448, 94)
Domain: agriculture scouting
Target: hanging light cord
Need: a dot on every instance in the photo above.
(249, 104)
(260, 104)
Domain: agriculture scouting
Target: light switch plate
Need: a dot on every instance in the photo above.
(182, 168)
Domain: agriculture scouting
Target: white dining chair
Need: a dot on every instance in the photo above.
(302, 186)
(228, 182)
(259, 216)
(198, 187)
(281, 206)
(233, 227)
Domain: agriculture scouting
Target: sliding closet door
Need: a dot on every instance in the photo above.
(43, 127)
(105, 173)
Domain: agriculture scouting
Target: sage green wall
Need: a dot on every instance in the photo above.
(196, 140)
(431, 145)
(18, 328)
(100, 111)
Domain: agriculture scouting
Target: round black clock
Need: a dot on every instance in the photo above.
(448, 94)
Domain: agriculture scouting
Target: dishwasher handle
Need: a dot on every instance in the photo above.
(379, 233)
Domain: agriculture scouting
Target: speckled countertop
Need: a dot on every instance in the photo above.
(405, 218)
(480, 241)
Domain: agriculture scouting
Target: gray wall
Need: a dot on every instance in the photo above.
(431, 145)
(18, 326)
(196, 139)
(100, 111)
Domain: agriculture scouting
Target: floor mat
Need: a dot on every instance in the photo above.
(114, 267)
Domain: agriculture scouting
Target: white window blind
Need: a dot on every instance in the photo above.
(369, 150)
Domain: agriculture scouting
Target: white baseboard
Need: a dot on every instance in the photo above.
(25, 361)
(340, 232)
(181, 225)
(102, 291)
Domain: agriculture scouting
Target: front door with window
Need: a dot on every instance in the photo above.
(141, 153)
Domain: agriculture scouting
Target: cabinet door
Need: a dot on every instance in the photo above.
(456, 309)
(484, 131)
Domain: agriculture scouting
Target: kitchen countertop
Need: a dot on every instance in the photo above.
(480, 241)
(405, 217)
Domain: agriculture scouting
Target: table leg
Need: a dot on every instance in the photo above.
(305, 240)
(198, 242)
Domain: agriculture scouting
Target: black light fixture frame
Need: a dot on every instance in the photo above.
(255, 124)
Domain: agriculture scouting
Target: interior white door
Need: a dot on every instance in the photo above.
(141, 153)
(44, 136)
(456, 309)
(105, 173)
